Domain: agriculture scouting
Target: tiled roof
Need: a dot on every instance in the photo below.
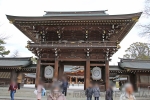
(74, 16)
(32, 66)
(114, 67)
(31, 75)
(134, 64)
(15, 62)
(76, 13)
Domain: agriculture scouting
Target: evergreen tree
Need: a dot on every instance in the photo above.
(3, 50)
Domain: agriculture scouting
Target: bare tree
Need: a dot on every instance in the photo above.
(146, 27)
(147, 8)
(138, 50)
(15, 54)
(2, 35)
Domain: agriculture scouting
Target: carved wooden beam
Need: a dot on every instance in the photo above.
(47, 63)
(97, 65)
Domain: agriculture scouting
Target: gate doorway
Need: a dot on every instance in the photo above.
(74, 72)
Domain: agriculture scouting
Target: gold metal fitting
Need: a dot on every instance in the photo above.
(118, 46)
(135, 19)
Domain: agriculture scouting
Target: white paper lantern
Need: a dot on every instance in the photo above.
(49, 71)
(96, 73)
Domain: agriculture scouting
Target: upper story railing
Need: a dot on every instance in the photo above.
(73, 44)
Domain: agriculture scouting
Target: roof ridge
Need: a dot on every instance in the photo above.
(78, 11)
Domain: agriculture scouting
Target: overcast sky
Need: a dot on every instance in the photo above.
(18, 41)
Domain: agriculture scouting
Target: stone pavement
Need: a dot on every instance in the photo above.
(24, 98)
(27, 94)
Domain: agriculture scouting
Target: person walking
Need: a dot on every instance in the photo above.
(127, 93)
(43, 91)
(96, 91)
(109, 93)
(39, 90)
(120, 85)
(89, 92)
(72, 83)
(65, 86)
(12, 89)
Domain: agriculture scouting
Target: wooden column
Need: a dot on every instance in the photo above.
(76, 80)
(107, 74)
(13, 75)
(87, 81)
(84, 77)
(61, 70)
(38, 69)
(137, 82)
(70, 80)
(133, 80)
(56, 69)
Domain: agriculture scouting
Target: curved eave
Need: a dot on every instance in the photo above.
(61, 17)
(73, 17)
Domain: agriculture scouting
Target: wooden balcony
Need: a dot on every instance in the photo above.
(73, 44)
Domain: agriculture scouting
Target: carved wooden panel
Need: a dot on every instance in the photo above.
(73, 35)
(97, 56)
(72, 55)
(52, 36)
(51, 55)
(48, 55)
(95, 36)
(44, 55)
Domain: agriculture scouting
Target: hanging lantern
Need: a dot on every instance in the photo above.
(96, 73)
(48, 73)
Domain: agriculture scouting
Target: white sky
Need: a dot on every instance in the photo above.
(18, 40)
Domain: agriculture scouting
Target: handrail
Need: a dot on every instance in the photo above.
(80, 41)
(78, 45)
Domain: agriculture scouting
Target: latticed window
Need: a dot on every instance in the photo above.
(145, 79)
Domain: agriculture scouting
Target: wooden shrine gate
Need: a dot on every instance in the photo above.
(58, 65)
(89, 36)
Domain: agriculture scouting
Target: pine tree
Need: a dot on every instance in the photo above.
(3, 50)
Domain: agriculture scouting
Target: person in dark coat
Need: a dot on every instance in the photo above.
(96, 91)
(12, 89)
(65, 86)
(89, 92)
(120, 85)
(109, 93)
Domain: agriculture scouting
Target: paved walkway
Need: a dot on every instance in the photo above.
(76, 86)
(27, 94)
(24, 98)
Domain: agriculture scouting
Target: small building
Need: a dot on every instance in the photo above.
(13, 68)
(29, 78)
(5, 78)
(134, 71)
